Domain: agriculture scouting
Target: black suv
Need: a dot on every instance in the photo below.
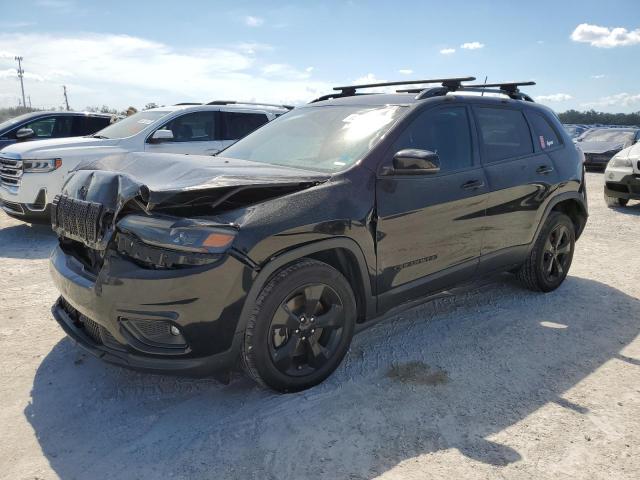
(44, 125)
(276, 251)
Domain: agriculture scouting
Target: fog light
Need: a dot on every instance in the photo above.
(174, 330)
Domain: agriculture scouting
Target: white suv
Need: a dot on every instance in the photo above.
(622, 177)
(32, 174)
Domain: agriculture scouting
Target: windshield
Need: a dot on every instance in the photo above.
(325, 139)
(15, 120)
(131, 125)
(608, 135)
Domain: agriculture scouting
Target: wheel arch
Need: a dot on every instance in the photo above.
(575, 209)
(342, 253)
(573, 205)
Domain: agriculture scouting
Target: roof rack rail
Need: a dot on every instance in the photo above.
(508, 88)
(505, 88)
(234, 102)
(351, 90)
(187, 103)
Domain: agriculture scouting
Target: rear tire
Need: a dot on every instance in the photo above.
(614, 202)
(300, 328)
(550, 258)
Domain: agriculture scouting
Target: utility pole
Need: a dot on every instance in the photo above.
(29, 97)
(20, 75)
(66, 100)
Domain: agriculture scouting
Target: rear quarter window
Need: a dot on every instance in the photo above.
(236, 125)
(504, 133)
(544, 134)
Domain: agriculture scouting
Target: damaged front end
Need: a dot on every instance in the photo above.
(147, 267)
(170, 220)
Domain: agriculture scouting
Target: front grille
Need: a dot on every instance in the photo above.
(95, 331)
(91, 328)
(12, 207)
(10, 171)
(76, 219)
(597, 158)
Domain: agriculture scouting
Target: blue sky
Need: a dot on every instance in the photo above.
(583, 54)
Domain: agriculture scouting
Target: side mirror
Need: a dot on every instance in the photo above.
(416, 162)
(160, 136)
(25, 133)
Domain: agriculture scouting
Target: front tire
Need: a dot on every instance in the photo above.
(300, 328)
(614, 202)
(550, 258)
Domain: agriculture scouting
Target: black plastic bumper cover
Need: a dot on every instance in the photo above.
(204, 302)
(628, 187)
(195, 367)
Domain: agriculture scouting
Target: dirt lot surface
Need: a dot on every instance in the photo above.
(495, 383)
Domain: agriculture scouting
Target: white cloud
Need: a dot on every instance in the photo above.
(448, 51)
(598, 77)
(4, 54)
(251, 21)
(405, 71)
(604, 37)
(472, 45)
(121, 70)
(284, 70)
(309, 69)
(618, 100)
(555, 97)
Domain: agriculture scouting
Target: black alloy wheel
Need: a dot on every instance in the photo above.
(306, 329)
(557, 253)
(300, 328)
(549, 260)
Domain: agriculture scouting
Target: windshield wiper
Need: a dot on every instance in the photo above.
(99, 136)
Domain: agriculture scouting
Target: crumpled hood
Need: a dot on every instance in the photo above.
(201, 184)
(160, 177)
(600, 147)
(46, 148)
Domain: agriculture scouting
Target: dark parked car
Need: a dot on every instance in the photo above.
(575, 131)
(601, 144)
(44, 125)
(309, 228)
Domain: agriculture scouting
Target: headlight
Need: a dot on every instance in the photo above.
(620, 163)
(42, 166)
(183, 234)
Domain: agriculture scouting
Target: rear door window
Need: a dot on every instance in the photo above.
(504, 133)
(193, 127)
(86, 125)
(543, 133)
(236, 125)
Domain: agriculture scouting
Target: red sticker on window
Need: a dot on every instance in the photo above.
(543, 145)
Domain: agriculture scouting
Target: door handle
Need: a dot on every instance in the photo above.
(544, 169)
(472, 185)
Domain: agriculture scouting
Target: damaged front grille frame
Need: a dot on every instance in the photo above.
(78, 220)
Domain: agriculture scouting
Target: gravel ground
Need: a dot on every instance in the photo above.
(498, 382)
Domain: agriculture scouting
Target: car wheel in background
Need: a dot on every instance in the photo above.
(613, 202)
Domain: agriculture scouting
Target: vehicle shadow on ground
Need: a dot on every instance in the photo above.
(449, 374)
(630, 209)
(28, 241)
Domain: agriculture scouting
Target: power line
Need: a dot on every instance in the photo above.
(66, 100)
(20, 76)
